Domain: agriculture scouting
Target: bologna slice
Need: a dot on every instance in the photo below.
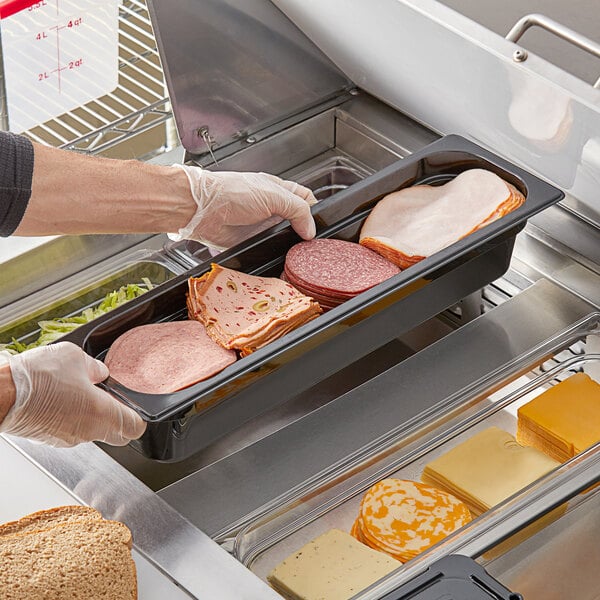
(409, 225)
(165, 357)
(331, 271)
(246, 312)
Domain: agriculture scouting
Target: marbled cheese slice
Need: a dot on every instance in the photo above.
(564, 420)
(487, 468)
(333, 566)
(404, 518)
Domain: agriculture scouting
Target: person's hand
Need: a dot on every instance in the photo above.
(57, 402)
(232, 207)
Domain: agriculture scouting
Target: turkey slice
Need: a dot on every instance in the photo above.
(416, 222)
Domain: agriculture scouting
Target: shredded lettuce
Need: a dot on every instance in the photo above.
(54, 329)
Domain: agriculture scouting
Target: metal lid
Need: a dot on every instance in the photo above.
(234, 67)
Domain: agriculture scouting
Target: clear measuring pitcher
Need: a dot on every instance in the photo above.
(57, 55)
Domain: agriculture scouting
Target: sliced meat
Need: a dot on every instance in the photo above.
(332, 271)
(409, 225)
(165, 357)
(337, 265)
(245, 312)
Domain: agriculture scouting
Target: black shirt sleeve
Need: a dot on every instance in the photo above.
(16, 173)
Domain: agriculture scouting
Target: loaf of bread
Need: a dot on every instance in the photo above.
(66, 553)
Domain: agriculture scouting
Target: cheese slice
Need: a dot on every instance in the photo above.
(333, 566)
(564, 420)
(403, 518)
(487, 468)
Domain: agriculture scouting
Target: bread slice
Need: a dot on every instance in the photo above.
(45, 519)
(77, 560)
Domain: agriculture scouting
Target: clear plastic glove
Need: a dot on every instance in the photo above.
(57, 402)
(232, 207)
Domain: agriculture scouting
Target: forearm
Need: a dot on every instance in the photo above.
(76, 194)
(7, 391)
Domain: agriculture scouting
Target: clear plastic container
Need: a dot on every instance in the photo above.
(559, 559)
(57, 56)
(84, 290)
(332, 500)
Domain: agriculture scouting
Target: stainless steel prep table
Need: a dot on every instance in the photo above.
(444, 73)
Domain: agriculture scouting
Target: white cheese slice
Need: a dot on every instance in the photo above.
(333, 566)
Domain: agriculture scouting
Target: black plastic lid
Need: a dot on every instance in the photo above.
(454, 577)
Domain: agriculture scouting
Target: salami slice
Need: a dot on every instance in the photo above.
(162, 358)
(331, 270)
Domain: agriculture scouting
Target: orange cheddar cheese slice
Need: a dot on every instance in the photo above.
(564, 420)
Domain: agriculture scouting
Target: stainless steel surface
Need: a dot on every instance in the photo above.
(443, 55)
(233, 68)
(538, 256)
(565, 33)
(359, 126)
(235, 487)
(561, 557)
(182, 552)
(61, 258)
(581, 17)
(457, 76)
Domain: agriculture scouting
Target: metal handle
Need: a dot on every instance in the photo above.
(569, 35)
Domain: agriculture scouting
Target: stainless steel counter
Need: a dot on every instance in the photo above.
(582, 16)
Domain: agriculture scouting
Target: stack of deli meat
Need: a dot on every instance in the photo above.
(161, 358)
(332, 271)
(415, 222)
(245, 312)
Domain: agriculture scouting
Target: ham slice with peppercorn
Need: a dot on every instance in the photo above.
(245, 312)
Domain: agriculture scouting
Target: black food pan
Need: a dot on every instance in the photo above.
(186, 421)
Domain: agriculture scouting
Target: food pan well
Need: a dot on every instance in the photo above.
(188, 420)
(325, 178)
(70, 297)
(333, 500)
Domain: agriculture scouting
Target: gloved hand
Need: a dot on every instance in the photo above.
(57, 402)
(234, 206)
